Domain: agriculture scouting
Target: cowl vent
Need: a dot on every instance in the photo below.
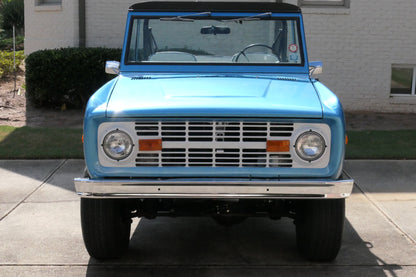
(287, 79)
(143, 77)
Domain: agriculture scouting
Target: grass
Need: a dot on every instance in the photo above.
(40, 143)
(381, 144)
(61, 143)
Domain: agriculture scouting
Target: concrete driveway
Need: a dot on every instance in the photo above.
(40, 233)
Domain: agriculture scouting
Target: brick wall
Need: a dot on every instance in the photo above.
(105, 22)
(50, 26)
(357, 45)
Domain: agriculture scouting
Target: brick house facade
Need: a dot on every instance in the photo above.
(362, 43)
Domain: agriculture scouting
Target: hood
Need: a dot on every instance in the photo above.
(195, 96)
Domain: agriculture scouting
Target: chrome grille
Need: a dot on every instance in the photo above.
(214, 144)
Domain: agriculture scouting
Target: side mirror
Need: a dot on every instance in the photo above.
(315, 68)
(112, 67)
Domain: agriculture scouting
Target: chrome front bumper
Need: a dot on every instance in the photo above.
(213, 188)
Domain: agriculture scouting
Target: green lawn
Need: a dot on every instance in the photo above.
(381, 144)
(40, 143)
(61, 143)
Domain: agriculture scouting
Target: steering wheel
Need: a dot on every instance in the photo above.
(242, 52)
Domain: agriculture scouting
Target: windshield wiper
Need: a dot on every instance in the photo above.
(248, 18)
(182, 17)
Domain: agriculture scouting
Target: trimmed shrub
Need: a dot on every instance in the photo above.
(6, 62)
(66, 76)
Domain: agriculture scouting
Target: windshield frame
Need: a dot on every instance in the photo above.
(302, 67)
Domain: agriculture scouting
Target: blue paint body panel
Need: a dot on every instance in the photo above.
(213, 97)
(280, 93)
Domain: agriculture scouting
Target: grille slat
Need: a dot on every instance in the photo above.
(213, 144)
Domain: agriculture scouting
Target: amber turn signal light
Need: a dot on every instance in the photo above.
(150, 144)
(278, 145)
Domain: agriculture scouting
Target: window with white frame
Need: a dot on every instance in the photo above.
(403, 80)
(48, 2)
(48, 5)
(326, 3)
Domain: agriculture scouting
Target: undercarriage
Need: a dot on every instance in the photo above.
(218, 209)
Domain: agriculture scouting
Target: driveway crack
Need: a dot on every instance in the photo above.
(385, 214)
(48, 177)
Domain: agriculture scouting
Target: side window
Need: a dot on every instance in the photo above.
(134, 46)
(141, 41)
(48, 5)
(48, 2)
(403, 80)
(328, 3)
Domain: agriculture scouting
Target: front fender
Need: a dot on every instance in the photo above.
(332, 112)
(94, 114)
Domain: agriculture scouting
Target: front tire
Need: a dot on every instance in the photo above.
(105, 227)
(319, 228)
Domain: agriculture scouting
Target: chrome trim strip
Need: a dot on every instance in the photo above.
(224, 143)
(213, 188)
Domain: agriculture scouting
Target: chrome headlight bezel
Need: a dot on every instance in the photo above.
(310, 146)
(117, 145)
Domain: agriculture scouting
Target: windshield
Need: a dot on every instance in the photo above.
(239, 40)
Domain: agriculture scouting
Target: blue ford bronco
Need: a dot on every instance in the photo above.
(214, 112)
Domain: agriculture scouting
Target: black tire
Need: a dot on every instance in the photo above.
(105, 227)
(319, 228)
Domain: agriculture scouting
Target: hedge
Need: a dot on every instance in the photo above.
(67, 76)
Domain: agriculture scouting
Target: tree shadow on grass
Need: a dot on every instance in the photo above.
(48, 118)
(40, 143)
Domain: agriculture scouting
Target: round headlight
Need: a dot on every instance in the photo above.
(310, 146)
(117, 145)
